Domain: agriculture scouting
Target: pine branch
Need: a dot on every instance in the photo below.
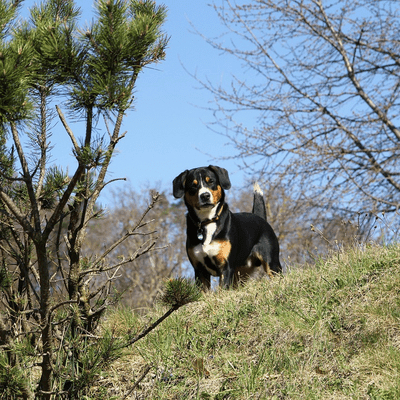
(68, 130)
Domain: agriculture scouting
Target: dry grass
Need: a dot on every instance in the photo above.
(327, 332)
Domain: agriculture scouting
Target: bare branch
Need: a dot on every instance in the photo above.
(131, 232)
(68, 130)
(321, 94)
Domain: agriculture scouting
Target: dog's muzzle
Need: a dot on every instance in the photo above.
(205, 198)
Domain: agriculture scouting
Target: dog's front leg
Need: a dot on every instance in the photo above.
(203, 277)
(227, 276)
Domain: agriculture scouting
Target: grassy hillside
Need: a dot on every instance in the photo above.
(327, 332)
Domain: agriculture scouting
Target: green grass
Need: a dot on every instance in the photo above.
(326, 332)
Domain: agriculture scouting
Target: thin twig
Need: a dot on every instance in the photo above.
(145, 372)
(143, 249)
(147, 330)
(138, 225)
(68, 129)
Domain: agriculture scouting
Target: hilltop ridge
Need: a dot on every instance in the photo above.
(331, 331)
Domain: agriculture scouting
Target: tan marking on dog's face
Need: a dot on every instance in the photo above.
(192, 200)
(210, 182)
(191, 192)
(203, 182)
(216, 194)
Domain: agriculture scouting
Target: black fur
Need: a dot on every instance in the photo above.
(219, 242)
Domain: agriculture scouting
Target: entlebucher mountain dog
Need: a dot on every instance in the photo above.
(219, 242)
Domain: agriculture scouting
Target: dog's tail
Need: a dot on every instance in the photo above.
(258, 202)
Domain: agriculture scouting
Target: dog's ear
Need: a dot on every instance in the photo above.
(223, 176)
(178, 185)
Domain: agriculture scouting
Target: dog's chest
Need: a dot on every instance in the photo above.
(207, 252)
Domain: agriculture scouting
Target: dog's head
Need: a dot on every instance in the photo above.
(202, 187)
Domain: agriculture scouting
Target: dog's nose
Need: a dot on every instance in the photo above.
(204, 197)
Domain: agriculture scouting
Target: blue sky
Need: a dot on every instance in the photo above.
(167, 130)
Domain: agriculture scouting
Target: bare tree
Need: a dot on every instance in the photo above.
(142, 278)
(321, 80)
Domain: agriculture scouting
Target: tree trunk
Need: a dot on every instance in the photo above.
(45, 384)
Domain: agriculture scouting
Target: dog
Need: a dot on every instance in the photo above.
(221, 243)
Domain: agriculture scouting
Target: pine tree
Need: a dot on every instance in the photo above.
(93, 71)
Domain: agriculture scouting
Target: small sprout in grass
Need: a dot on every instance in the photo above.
(178, 292)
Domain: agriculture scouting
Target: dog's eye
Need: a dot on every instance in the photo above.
(193, 184)
(192, 187)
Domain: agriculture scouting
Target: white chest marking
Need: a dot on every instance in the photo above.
(209, 248)
(209, 231)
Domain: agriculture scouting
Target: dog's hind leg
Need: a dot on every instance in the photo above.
(275, 266)
(242, 275)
